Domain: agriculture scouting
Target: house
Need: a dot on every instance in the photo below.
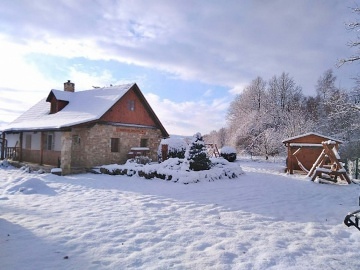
(76, 130)
(303, 150)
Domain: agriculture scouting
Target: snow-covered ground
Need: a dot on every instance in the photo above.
(264, 219)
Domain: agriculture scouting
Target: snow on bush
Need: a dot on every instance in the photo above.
(228, 150)
(176, 147)
(229, 153)
(176, 170)
(186, 164)
(4, 163)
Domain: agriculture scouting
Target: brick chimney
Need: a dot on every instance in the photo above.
(69, 86)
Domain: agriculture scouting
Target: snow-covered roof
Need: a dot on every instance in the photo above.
(306, 144)
(63, 95)
(311, 133)
(84, 106)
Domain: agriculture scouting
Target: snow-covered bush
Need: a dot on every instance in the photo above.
(176, 148)
(194, 167)
(197, 154)
(142, 160)
(26, 169)
(176, 170)
(4, 163)
(229, 153)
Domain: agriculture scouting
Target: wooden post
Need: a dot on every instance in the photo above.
(41, 147)
(164, 151)
(290, 161)
(21, 146)
(317, 162)
(356, 168)
(3, 146)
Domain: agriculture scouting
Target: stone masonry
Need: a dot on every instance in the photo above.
(66, 152)
(92, 146)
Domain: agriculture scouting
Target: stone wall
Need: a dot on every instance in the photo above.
(91, 146)
(66, 143)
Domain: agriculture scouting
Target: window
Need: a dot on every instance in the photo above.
(115, 142)
(76, 140)
(144, 143)
(131, 105)
(50, 141)
(28, 141)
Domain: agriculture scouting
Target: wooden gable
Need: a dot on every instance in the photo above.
(132, 108)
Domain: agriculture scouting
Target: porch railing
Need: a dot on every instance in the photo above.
(12, 153)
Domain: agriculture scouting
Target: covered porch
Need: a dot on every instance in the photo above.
(33, 147)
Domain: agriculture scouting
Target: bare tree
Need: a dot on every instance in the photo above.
(354, 96)
(311, 107)
(220, 137)
(326, 85)
(283, 96)
(353, 26)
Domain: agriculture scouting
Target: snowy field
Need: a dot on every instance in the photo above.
(264, 219)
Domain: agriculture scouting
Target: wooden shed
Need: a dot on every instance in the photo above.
(303, 150)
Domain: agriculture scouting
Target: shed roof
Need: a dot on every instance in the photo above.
(310, 134)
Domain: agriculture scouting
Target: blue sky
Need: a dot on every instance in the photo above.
(189, 58)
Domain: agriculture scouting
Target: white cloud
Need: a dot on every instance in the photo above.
(16, 73)
(226, 44)
(237, 89)
(21, 84)
(187, 118)
(208, 93)
(87, 80)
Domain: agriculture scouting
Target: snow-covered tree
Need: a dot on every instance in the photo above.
(283, 92)
(325, 86)
(353, 26)
(311, 107)
(222, 137)
(258, 116)
(246, 111)
(337, 115)
(217, 137)
(355, 95)
(296, 122)
(197, 154)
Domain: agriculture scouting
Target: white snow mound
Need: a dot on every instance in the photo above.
(30, 186)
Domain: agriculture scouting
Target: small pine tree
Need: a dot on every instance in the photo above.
(197, 156)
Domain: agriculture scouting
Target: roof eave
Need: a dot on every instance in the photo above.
(164, 133)
(308, 134)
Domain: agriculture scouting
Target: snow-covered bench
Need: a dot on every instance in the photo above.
(331, 173)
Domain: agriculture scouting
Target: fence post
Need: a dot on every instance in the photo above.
(356, 168)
